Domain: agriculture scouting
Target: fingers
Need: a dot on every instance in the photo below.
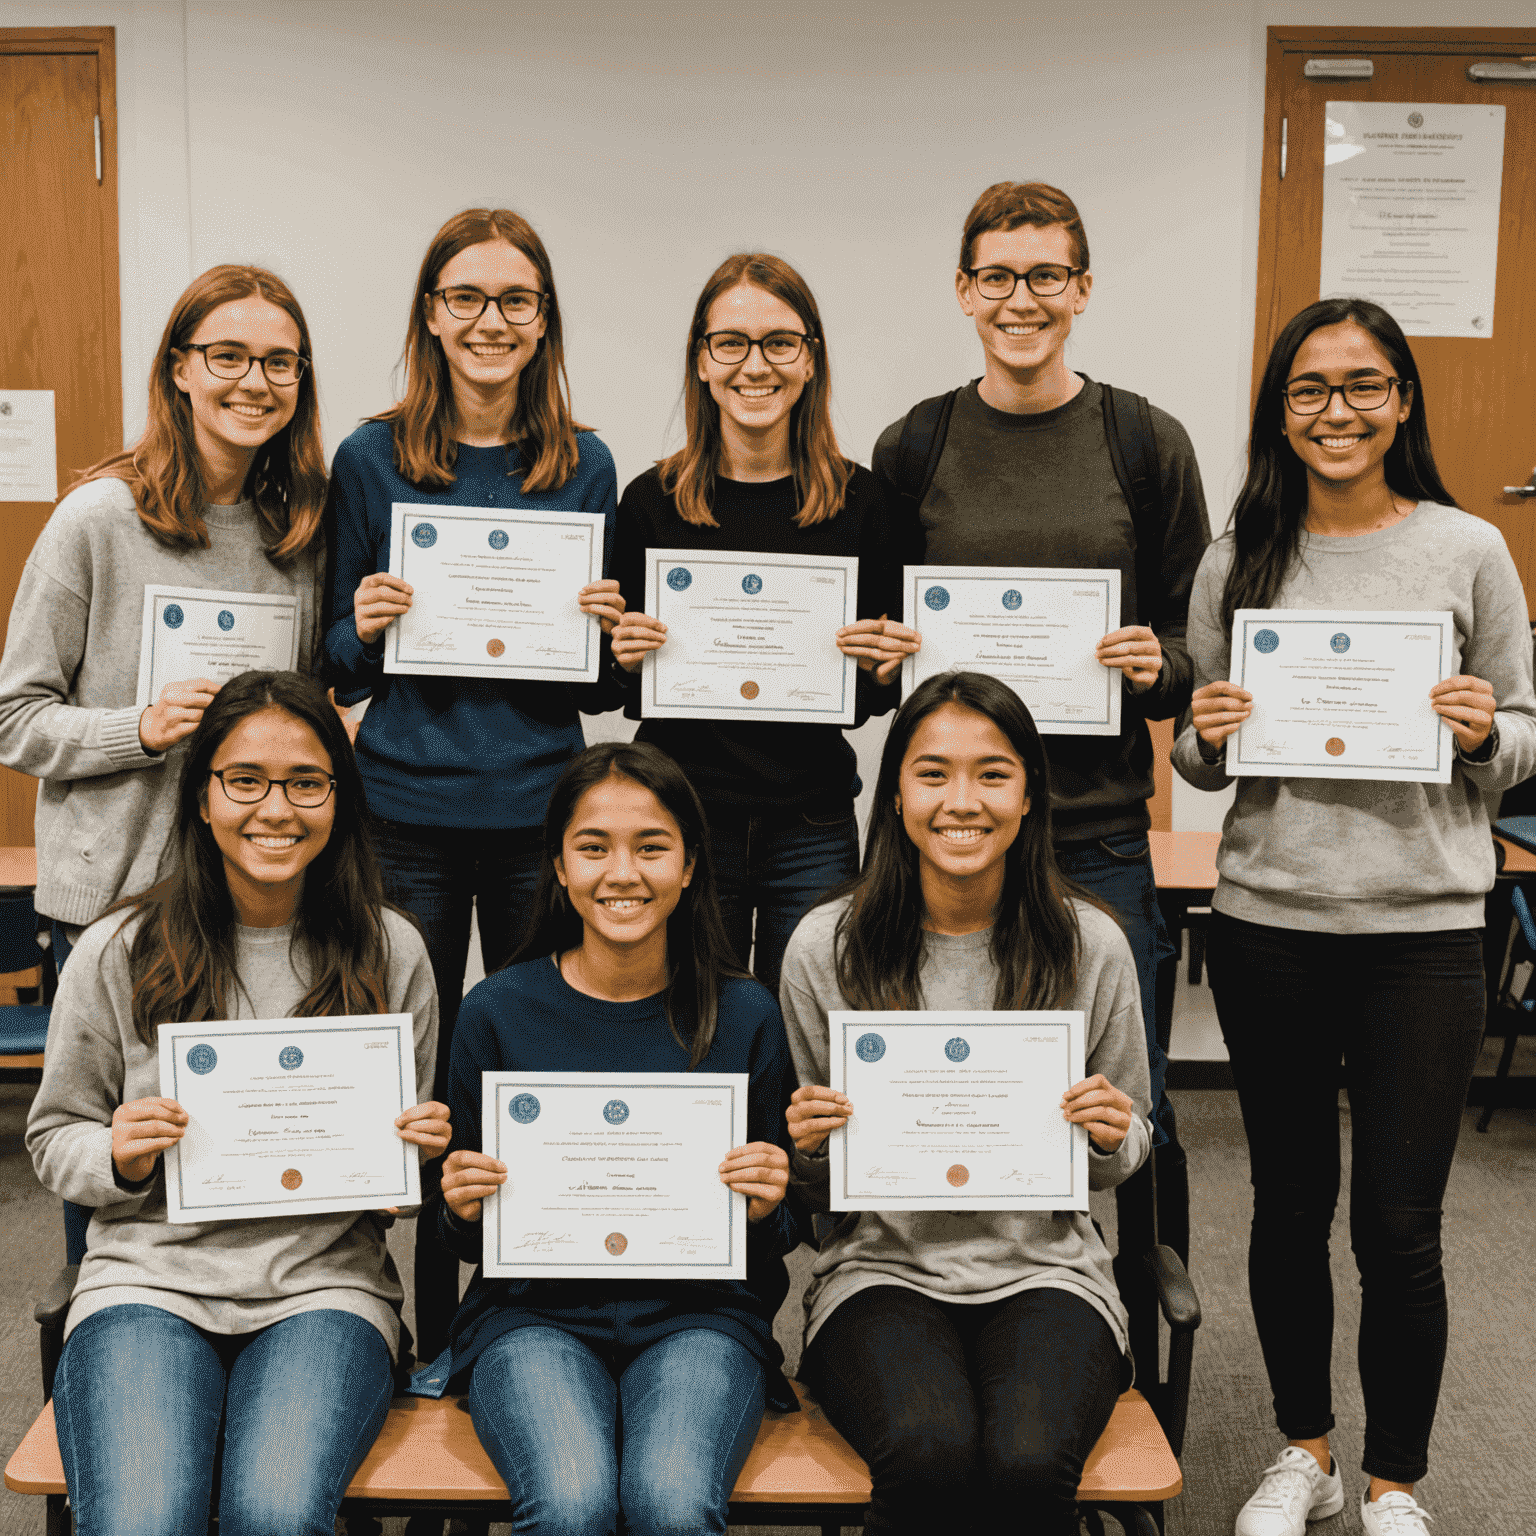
(633, 636)
(760, 1171)
(195, 693)
(470, 1179)
(1135, 651)
(1468, 703)
(1101, 1108)
(426, 1125)
(380, 599)
(814, 1113)
(1218, 709)
(601, 600)
(381, 586)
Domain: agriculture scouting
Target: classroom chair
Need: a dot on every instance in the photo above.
(23, 1026)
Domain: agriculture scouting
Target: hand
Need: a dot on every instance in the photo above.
(1219, 708)
(814, 1113)
(880, 645)
(470, 1179)
(760, 1171)
(602, 598)
(426, 1125)
(636, 634)
(178, 713)
(1098, 1104)
(344, 713)
(1468, 703)
(1136, 651)
(380, 599)
(141, 1131)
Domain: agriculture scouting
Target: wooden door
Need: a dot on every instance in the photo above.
(59, 325)
(1480, 393)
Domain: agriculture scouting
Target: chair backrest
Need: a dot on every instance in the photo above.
(19, 949)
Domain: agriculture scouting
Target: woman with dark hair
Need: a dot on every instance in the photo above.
(265, 1342)
(1347, 924)
(972, 1358)
(761, 472)
(459, 769)
(602, 1399)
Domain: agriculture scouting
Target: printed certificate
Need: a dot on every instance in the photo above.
(958, 1111)
(613, 1175)
(495, 593)
(1034, 628)
(1342, 694)
(195, 632)
(289, 1115)
(749, 637)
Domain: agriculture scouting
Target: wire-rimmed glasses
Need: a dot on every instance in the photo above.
(247, 787)
(518, 306)
(229, 360)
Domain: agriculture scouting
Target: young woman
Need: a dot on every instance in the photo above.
(761, 472)
(598, 1399)
(972, 1358)
(1348, 920)
(280, 1329)
(459, 770)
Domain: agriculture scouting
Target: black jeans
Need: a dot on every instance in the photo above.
(1403, 1013)
(972, 1416)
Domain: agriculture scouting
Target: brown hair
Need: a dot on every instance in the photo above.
(821, 472)
(1010, 204)
(423, 422)
(162, 469)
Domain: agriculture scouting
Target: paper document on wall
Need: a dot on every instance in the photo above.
(28, 462)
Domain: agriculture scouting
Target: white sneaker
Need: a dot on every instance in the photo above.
(1292, 1492)
(1393, 1514)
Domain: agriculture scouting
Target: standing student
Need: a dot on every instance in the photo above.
(263, 1345)
(761, 472)
(972, 1358)
(1347, 923)
(627, 1398)
(459, 769)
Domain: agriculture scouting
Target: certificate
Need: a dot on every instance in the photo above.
(958, 1111)
(1342, 694)
(1034, 628)
(749, 637)
(286, 1116)
(495, 593)
(612, 1175)
(194, 632)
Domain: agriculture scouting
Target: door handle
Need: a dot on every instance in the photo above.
(1528, 489)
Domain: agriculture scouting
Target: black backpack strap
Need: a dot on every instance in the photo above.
(1133, 453)
(920, 446)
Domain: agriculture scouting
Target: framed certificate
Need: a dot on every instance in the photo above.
(495, 593)
(1342, 694)
(1033, 628)
(614, 1175)
(289, 1115)
(958, 1111)
(195, 632)
(749, 637)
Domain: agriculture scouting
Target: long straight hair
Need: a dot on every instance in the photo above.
(1271, 508)
(163, 470)
(699, 955)
(423, 423)
(880, 939)
(182, 959)
(820, 471)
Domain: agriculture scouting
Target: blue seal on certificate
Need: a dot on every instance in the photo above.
(615, 1111)
(937, 598)
(1266, 641)
(869, 1047)
(173, 616)
(498, 538)
(524, 1109)
(751, 584)
(1012, 599)
(1340, 643)
(956, 1049)
(202, 1059)
(679, 578)
(226, 620)
(290, 1057)
(423, 535)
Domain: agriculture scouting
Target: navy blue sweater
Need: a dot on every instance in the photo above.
(450, 751)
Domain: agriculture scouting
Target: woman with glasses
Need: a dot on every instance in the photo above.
(760, 472)
(1347, 925)
(458, 769)
(263, 1346)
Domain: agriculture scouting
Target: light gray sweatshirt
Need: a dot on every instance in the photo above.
(70, 674)
(1365, 855)
(225, 1276)
(971, 1256)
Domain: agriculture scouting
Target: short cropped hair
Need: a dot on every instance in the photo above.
(1010, 204)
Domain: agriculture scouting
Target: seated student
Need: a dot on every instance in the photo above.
(635, 1399)
(279, 1329)
(972, 1358)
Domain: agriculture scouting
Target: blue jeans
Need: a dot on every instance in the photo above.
(580, 1438)
(140, 1397)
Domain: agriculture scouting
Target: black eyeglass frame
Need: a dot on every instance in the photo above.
(1048, 293)
(302, 362)
(1344, 389)
(234, 799)
(803, 337)
(539, 296)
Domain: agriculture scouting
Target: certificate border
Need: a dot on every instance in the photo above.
(158, 591)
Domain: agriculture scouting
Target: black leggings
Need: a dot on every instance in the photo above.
(1404, 1012)
(972, 1416)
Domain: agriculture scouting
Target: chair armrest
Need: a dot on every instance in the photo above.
(1175, 1291)
(54, 1302)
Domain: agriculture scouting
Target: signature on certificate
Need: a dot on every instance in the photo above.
(543, 1242)
(808, 693)
(553, 650)
(1014, 1173)
(435, 640)
(888, 1176)
(689, 685)
(224, 1179)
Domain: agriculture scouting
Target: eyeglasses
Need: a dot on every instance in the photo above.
(1042, 281)
(226, 360)
(304, 790)
(1312, 397)
(733, 347)
(519, 306)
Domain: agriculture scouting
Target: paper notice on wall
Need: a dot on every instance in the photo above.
(28, 462)
(1411, 211)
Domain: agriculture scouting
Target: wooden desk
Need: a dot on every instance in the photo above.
(18, 867)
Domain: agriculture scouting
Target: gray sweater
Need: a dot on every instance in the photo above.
(70, 676)
(225, 1276)
(1365, 855)
(971, 1256)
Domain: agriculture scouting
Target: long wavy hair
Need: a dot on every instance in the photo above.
(424, 422)
(163, 469)
(1271, 508)
(880, 939)
(820, 471)
(699, 955)
(182, 959)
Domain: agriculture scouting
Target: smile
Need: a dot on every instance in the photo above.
(1341, 442)
(1024, 330)
(250, 412)
(623, 903)
(489, 349)
(271, 843)
(756, 391)
(964, 836)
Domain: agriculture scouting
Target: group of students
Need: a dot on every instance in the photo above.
(971, 1358)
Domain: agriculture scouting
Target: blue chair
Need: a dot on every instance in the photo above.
(23, 1026)
(1513, 1016)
